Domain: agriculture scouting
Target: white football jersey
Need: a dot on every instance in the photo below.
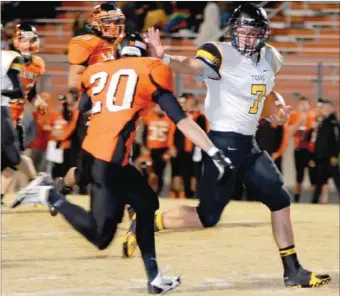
(235, 102)
(7, 58)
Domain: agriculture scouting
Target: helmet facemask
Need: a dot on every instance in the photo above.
(248, 37)
(26, 42)
(111, 24)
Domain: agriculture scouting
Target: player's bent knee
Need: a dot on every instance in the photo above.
(210, 215)
(278, 201)
(106, 235)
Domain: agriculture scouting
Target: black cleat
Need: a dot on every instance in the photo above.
(306, 279)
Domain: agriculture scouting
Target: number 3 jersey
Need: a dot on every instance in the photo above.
(237, 86)
(121, 93)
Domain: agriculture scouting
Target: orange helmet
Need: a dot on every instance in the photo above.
(26, 39)
(108, 20)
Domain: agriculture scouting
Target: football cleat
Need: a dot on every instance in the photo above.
(130, 240)
(32, 194)
(163, 284)
(306, 279)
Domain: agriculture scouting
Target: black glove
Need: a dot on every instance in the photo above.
(222, 163)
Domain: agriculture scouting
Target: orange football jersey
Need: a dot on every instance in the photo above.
(29, 77)
(121, 92)
(160, 131)
(90, 49)
(294, 117)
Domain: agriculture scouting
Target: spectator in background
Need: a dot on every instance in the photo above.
(301, 124)
(183, 167)
(157, 17)
(273, 139)
(178, 20)
(62, 132)
(159, 139)
(210, 28)
(327, 148)
(37, 149)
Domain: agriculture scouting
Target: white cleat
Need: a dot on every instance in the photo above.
(163, 284)
(35, 192)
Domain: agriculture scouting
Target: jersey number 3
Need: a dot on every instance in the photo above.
(116, 99)
(260, 91)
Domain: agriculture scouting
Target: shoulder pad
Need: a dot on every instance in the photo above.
(14, 53)
(273, 57)
(81, 47)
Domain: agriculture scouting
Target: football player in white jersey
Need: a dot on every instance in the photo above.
(239, 75)
(12, 64)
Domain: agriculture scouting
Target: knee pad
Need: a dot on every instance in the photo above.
(210, 214)
(277, 200)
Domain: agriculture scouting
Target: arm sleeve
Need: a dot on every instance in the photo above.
(211, 56)
(33, 93)
(169, 104)
(85, 103)
(17, 91)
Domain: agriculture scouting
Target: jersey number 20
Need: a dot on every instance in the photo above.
(111, 95)
(260, 91)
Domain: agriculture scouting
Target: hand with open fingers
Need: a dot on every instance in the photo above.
(153, 39)
(281, 117)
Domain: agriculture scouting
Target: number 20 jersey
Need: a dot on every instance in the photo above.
(234, 102)
(121, 93)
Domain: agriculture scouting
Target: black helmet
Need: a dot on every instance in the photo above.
(133, 45)
(26, 39)
(248, 17)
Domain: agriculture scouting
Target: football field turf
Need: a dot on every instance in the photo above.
(44, 256)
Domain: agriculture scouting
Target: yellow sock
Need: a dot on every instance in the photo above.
(159, 222)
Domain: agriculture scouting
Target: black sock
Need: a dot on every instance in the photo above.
(289, 260)
(146, 241)
(296, 197)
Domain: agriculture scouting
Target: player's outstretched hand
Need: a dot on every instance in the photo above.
(281, 118)
(153, 39)
(223, 165)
